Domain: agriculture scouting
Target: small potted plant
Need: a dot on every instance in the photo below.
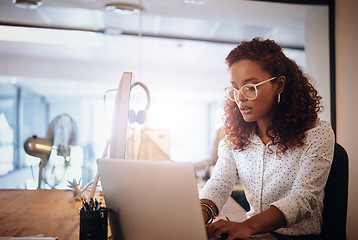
(75, 187)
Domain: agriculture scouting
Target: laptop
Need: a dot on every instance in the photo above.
(151, 200)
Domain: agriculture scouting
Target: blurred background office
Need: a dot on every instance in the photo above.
(60, 57)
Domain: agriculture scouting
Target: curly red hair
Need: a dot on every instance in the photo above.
(297, 110)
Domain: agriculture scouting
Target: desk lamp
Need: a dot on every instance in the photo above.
(41, 148)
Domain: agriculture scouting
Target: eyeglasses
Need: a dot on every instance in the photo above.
(248, 90)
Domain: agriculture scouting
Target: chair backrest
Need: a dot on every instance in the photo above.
(336, 197)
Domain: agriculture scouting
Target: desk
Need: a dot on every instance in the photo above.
(32, 212)
(48, 212)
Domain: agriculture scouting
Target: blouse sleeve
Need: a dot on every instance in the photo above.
(312, 176)
(219, 187)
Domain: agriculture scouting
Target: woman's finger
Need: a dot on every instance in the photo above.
(217, 229)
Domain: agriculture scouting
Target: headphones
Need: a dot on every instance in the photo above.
(142, 114)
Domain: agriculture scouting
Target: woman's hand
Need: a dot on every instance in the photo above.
(264, 222)
(228, 228)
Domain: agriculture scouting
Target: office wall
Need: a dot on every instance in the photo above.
(346, 22)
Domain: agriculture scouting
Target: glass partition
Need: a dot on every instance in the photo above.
(22, 115)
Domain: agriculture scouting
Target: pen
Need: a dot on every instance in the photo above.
(98, 206)
(95, 204)
(227, 218)
(91, 205)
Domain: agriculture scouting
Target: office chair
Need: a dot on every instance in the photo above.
(336, 197)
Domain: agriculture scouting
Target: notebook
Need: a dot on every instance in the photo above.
(151, 200)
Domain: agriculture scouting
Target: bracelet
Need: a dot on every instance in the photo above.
(213, 214)
(207, 212)
(210, 219)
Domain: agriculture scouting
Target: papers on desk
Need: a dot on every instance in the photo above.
(29, 238)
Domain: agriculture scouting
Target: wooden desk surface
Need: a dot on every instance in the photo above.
(26, 213)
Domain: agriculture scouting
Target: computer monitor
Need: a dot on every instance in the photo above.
(117, 143)
(117, 147)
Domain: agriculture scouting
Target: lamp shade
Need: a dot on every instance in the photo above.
(38, 147)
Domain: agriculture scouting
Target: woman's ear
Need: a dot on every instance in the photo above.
(281, 84)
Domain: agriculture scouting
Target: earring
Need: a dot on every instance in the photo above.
(279, 98)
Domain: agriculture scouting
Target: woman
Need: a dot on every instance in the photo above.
(275, 143)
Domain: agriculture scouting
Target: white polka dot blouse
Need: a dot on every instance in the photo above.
(293, 182)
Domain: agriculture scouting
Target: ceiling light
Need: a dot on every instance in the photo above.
(31, 4)
(196, 2)
(123, 8)
(51, 36)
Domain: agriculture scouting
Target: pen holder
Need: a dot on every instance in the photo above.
(94, 224)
